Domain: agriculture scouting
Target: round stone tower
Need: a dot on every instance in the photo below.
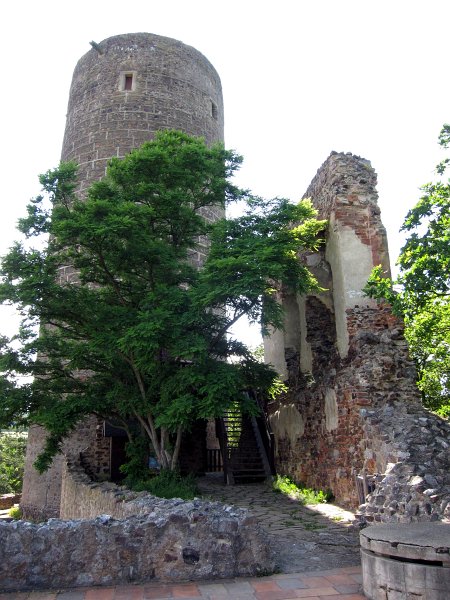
(123, 90)
(128, 87)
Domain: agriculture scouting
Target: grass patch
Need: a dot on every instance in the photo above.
(313, 526)
(284, 485)
(15, 513)
(168, 484)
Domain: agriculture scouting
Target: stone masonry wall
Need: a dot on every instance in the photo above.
(177, 541)
(343, 353)
(173, 87)
(41, 494)
(140, 538)
(409, 448)
(83, 498)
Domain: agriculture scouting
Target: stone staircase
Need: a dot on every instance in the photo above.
(245, 458)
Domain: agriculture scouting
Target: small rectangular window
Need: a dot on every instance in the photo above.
(127, 81)
(128, 84)
(213, 110)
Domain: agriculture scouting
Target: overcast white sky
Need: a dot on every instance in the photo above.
(300, 78)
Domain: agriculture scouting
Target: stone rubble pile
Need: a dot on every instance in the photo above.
(413, 446)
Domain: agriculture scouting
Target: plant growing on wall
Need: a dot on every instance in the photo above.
(421, 293)
(136, 332)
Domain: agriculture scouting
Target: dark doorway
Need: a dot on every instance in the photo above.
(118, 457)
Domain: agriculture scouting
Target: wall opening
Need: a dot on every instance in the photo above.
(127, 82)
(214, 112)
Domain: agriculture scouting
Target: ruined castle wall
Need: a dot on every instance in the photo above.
(166, 540)
(83, 498)
(122, 92)
(409, 449)
(41, 494)
(350, 352)
(344, 193)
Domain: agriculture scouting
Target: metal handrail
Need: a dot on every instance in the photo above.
(223, 443)
(267, 435)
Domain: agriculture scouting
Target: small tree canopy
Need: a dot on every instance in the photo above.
(129, 328)
(421, 293)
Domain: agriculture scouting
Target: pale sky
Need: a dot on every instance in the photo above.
(300, 78)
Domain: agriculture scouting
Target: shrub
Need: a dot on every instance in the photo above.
(15, 513)
(168, 484)
(12, 460)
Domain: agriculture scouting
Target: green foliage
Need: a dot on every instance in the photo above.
(277, 389)
(12, 459)
(117, 321)
(284, 485)
(136, 467)
(421, 293)
(168, 484)
(15, 513)
(258, 352)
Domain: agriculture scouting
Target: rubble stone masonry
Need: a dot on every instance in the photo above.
(353, 406)
(141, 538)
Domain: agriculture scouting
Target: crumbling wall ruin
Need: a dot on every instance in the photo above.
(177, 541)
(41, 494)
(408, 448)
(342, 354)
(346, 363)
(112, 536)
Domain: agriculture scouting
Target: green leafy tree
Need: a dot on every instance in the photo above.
(421, 293)
(129, 329)
(12, 459)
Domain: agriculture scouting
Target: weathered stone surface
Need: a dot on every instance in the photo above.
(8, 500)
(173, 87)
(41, 494)
(416, 541)
(164, 540)
(406, 561)
(386, 578)
(351, 381)
(408, 449)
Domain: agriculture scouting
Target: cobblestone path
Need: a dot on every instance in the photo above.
(304, 538)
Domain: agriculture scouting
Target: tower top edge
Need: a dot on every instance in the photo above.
(127, 43)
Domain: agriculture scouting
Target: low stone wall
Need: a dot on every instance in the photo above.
(177, 541)
(140, 538)
(8, 500)
(409, 447)
(82, 498)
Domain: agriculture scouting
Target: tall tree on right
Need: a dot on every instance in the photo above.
(421, 292)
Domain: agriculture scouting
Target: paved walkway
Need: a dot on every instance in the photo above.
(304, 538)
(335, 584)
(316, 549)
